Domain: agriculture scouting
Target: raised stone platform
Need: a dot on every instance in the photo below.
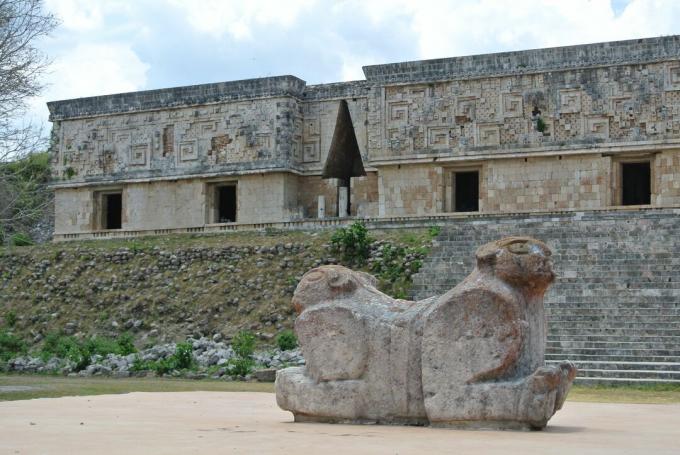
(615, 307)
(240, 423)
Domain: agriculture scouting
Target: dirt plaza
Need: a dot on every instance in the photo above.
(224, 422)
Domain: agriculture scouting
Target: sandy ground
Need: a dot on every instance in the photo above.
(232, 423)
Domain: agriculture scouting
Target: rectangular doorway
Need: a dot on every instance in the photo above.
(112, 210)
(466, 191)
(636, 183)
(225, 203)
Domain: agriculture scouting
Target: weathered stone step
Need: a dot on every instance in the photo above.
(622, 381)
(650, 314)
(559, 331)
(600, 347)
(633, 374)
(617, 296)
(555, 357)
(633, 337)
(625, 366)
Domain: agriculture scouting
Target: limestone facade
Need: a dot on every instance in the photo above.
(540, 130)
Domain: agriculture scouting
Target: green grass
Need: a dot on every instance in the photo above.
(644, 394)
(57, 386)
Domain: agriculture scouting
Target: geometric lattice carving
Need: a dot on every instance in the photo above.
(597, 127)
(398, 112)
(488, 134)
(311, 127)
(512, 105)
(138, 154)
(188, 151)
(570, 101)
(673, 76)
(438, 137)
(465, 107)
(263, 141)
(310, 152)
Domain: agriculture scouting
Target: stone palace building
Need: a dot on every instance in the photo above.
(578, 128)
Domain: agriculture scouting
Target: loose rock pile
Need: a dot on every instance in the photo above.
(208, 355)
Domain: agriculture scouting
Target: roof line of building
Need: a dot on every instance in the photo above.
(637, 51)
(634, 51)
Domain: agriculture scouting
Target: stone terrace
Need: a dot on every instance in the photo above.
(615, 308)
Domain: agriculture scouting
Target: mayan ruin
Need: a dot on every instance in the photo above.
(342, 226)
(575, 128)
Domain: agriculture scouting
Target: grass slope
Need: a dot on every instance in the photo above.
(174, 286)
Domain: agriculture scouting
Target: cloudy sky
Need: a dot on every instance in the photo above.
(113, 46)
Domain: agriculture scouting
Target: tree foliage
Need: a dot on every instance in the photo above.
(22, 24)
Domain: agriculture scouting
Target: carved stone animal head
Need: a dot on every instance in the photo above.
(326, 283)
(523, 262)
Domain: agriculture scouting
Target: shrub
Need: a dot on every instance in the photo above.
(184, 356)
(353, 243)
(164, 366)
(287, 340)
(126, 344)
(11, 346)
(21, 239)
(243, 344)
(433, 231)
(80, 352)
(182, 359)
(239, 366)
(58, 345)
(541, 126)
(10, 318)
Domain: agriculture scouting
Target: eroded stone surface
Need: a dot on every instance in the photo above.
(472, 358)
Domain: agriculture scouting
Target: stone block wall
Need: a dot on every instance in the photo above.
(175, 142)
(410, 190)
(547, 183)
(73, 208)
(615, 307)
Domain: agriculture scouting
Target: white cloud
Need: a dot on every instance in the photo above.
(238, 18)
(80, 15)
(90, 70)
(444, 28)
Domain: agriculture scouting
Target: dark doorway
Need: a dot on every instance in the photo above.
(113, 210)
(636, 183)
(226, 203)
(466, 191)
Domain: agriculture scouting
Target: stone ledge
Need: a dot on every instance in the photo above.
(381, 223)
(177, 97)
(637, 51)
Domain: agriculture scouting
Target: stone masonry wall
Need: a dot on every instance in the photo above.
(206, 139)
(563, 110)
(615, 307)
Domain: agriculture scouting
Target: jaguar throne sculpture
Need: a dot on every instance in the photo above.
(471, 358)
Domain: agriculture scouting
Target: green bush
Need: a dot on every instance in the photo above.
(541, 126)
(182, 359)
(184, 356)
(10, 318)
(126, 344)
(433, 231)
(287, 340)
(238, 366)
(353, 243)
(21, 239)
(80, 352)
(58, 345)
(164, 366)
(243, 344)
(11, 346)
